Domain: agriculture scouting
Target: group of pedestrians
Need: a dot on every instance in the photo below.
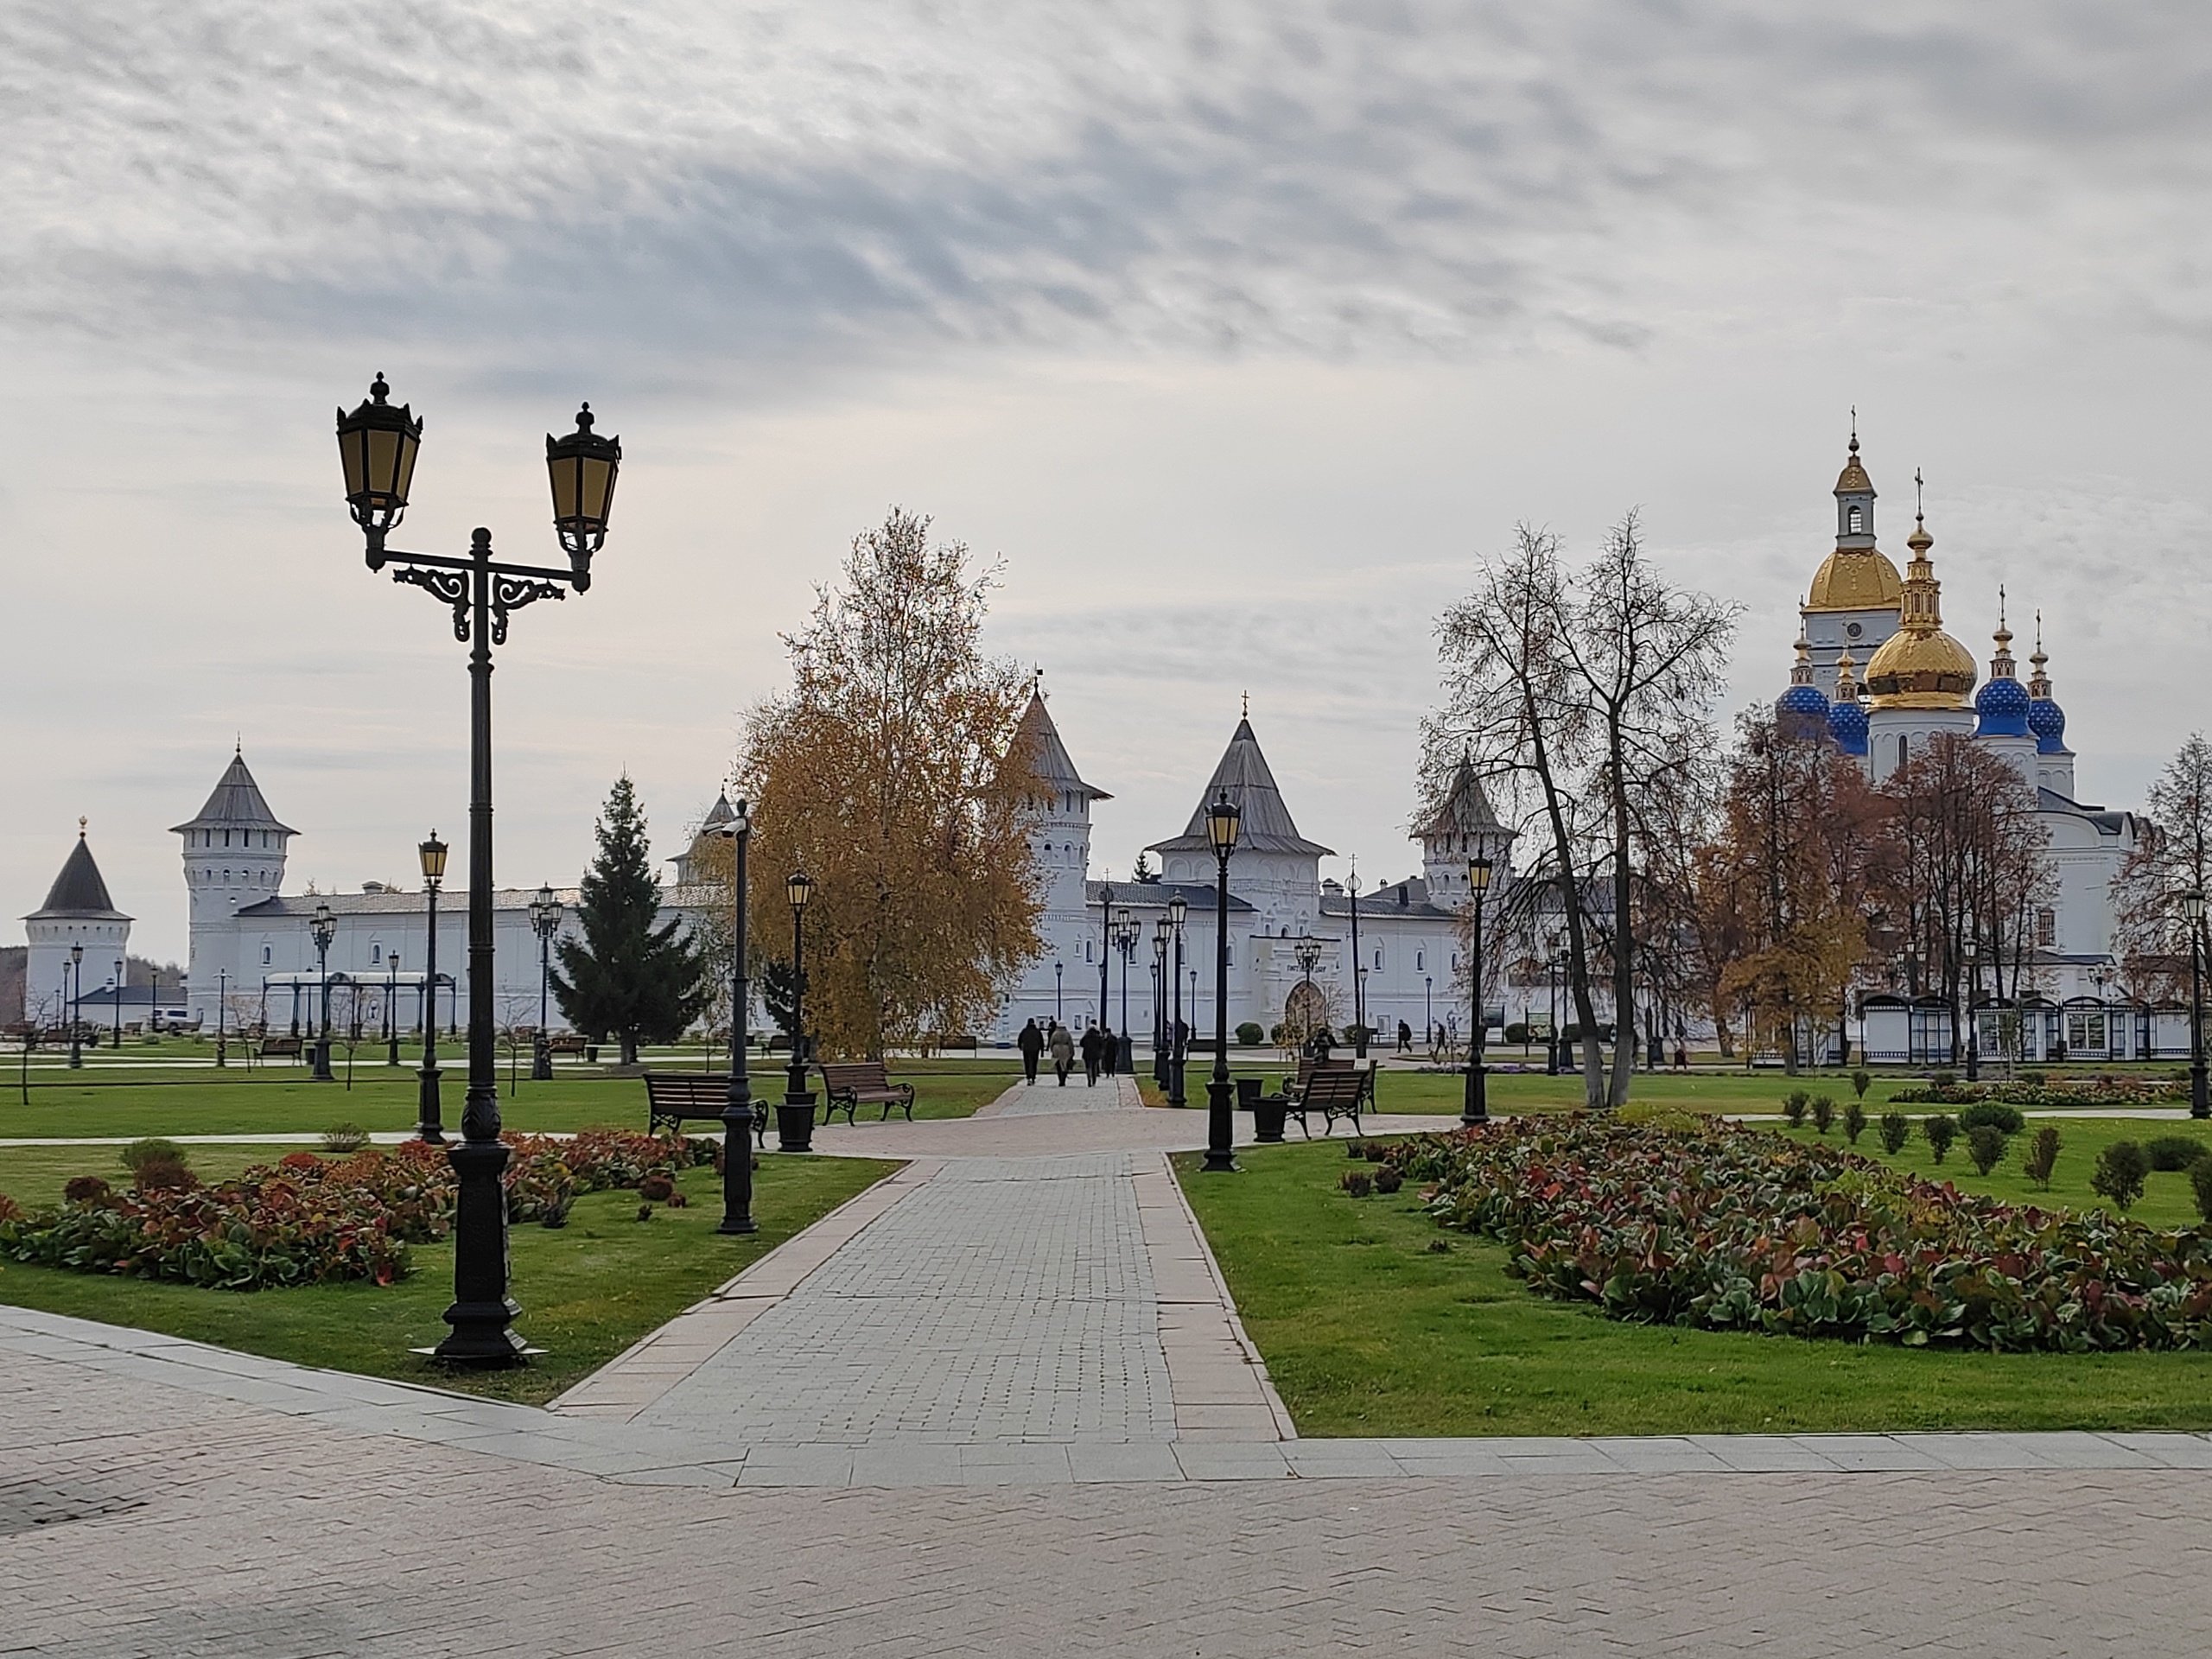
(1099, 1048)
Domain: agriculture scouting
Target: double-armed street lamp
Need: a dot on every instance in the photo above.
(323, 928)
(795, 1118)
(737, 1105)
(430, 1124)
(378, 443)
(1477, 1109)
(1126, 934)
(1178, 909)
(1306, 950)
(545, 913)
(2192, 909)
(1223, 820)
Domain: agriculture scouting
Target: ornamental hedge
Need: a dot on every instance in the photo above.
(2078, 1092)
(313, 1220)
(1722, 1227)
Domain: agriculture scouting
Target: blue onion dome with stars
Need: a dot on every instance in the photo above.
(1847, 715)
(1802, 711)
(2045, 718)
(2003, 702)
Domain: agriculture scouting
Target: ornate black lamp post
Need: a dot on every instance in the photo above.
(429, 1126)
(77, 996)
(1161, 932)
(117, 1041)
(2192, 907)
(1060, 1011)
(378, 443)
(1178, 909)
(1477, 1109)
(323, 928)
(1307, 951)
(545, 914)
(222, 1001)
(795, 1118)
(1126, 934)
(737, 1105)
(1358, 971)
(1223, 820)
(391, 1007)
(1971, 954)
(1105, 943)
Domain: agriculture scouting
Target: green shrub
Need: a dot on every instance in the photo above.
(2035, 1079)
(345, 1137)
(2174, 1151)
(1941, 1129)
(1945, 1079)
(2122, 1167)
(2200, 1186)
(1896, 1130)
(1860, 1082)
(1823, 1113)
(1516, 1032)
(84, 1189)
(1248, 1033)
(1854, 1121)
(153, 1149)
(1658, 1117)
(163, 1175)
(2005, 1119)
(1986, 1146)
(1388, 1180)
(1358, 1183)
(1793, 1107)
(2042, 1157)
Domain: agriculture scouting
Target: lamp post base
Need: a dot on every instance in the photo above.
(322, 1072)
(737, 1172)
(1221, 1126)
(541, 1062)
(1475, 1110)
(428, 1127)
(482, 1314)
(794, 1124)
(2200, 1099)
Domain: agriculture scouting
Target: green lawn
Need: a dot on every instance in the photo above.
(277, 1099)
(1367, 1330)
(588, 1290)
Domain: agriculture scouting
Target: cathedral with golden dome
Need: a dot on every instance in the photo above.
(1877, 674)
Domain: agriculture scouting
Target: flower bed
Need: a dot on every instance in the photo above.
(313, 1220)
(1728, 1228)
(2112, 1091)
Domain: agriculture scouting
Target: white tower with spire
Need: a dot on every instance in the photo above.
(233, 852)
(1060, 982)
(1854, 603)
(78, 914)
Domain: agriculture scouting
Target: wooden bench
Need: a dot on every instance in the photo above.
(280, 1048)
(567, 1043)
(674, 1098)
(1334, 1094)
(847, 1086)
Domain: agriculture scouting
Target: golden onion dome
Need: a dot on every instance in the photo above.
(1921, 670)
(1856, 580)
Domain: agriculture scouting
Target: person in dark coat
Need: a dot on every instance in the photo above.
(1109, 1050)
(1032, 1044)
(1405, 1037)
(1090, 1046)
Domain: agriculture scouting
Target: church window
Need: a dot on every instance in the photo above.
(1420, 959)
(1086, 950)
(1905, 748)
(1378, 958)
(2047, 930)
(376, 954)
(1857, 519)
(266, 955)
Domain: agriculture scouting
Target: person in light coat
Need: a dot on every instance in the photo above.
(1063, 1054)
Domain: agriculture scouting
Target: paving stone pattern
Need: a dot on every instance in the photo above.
(1003, 1300)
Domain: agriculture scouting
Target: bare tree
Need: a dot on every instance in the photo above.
(2172, 856)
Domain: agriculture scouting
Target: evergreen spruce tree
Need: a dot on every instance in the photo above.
(627, 978)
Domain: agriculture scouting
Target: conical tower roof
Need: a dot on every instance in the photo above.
(1037, 737)
(79, 891)
(1466, 810)
(1242, 775)
(236, 803)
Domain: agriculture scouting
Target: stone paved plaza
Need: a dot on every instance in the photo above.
(1000, 1404)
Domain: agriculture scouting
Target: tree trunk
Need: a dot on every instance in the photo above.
(629, 1048)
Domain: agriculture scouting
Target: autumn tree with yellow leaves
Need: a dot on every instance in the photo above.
(884, 774)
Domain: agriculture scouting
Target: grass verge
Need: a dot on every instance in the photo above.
(588, 1290)
(1367, 1330)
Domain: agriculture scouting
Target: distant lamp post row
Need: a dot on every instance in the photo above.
(1477, 1107)
(2192, 907)
(430, 1125)
(545, 913)
(1222, 822)
(378, 444)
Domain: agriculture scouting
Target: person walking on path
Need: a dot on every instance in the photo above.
(1032, 1044)
(1405, 1037)
(1063, 1052)
(1109, 1050)
(1090, 1058)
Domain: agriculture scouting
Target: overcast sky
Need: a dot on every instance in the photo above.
(1240, 331)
